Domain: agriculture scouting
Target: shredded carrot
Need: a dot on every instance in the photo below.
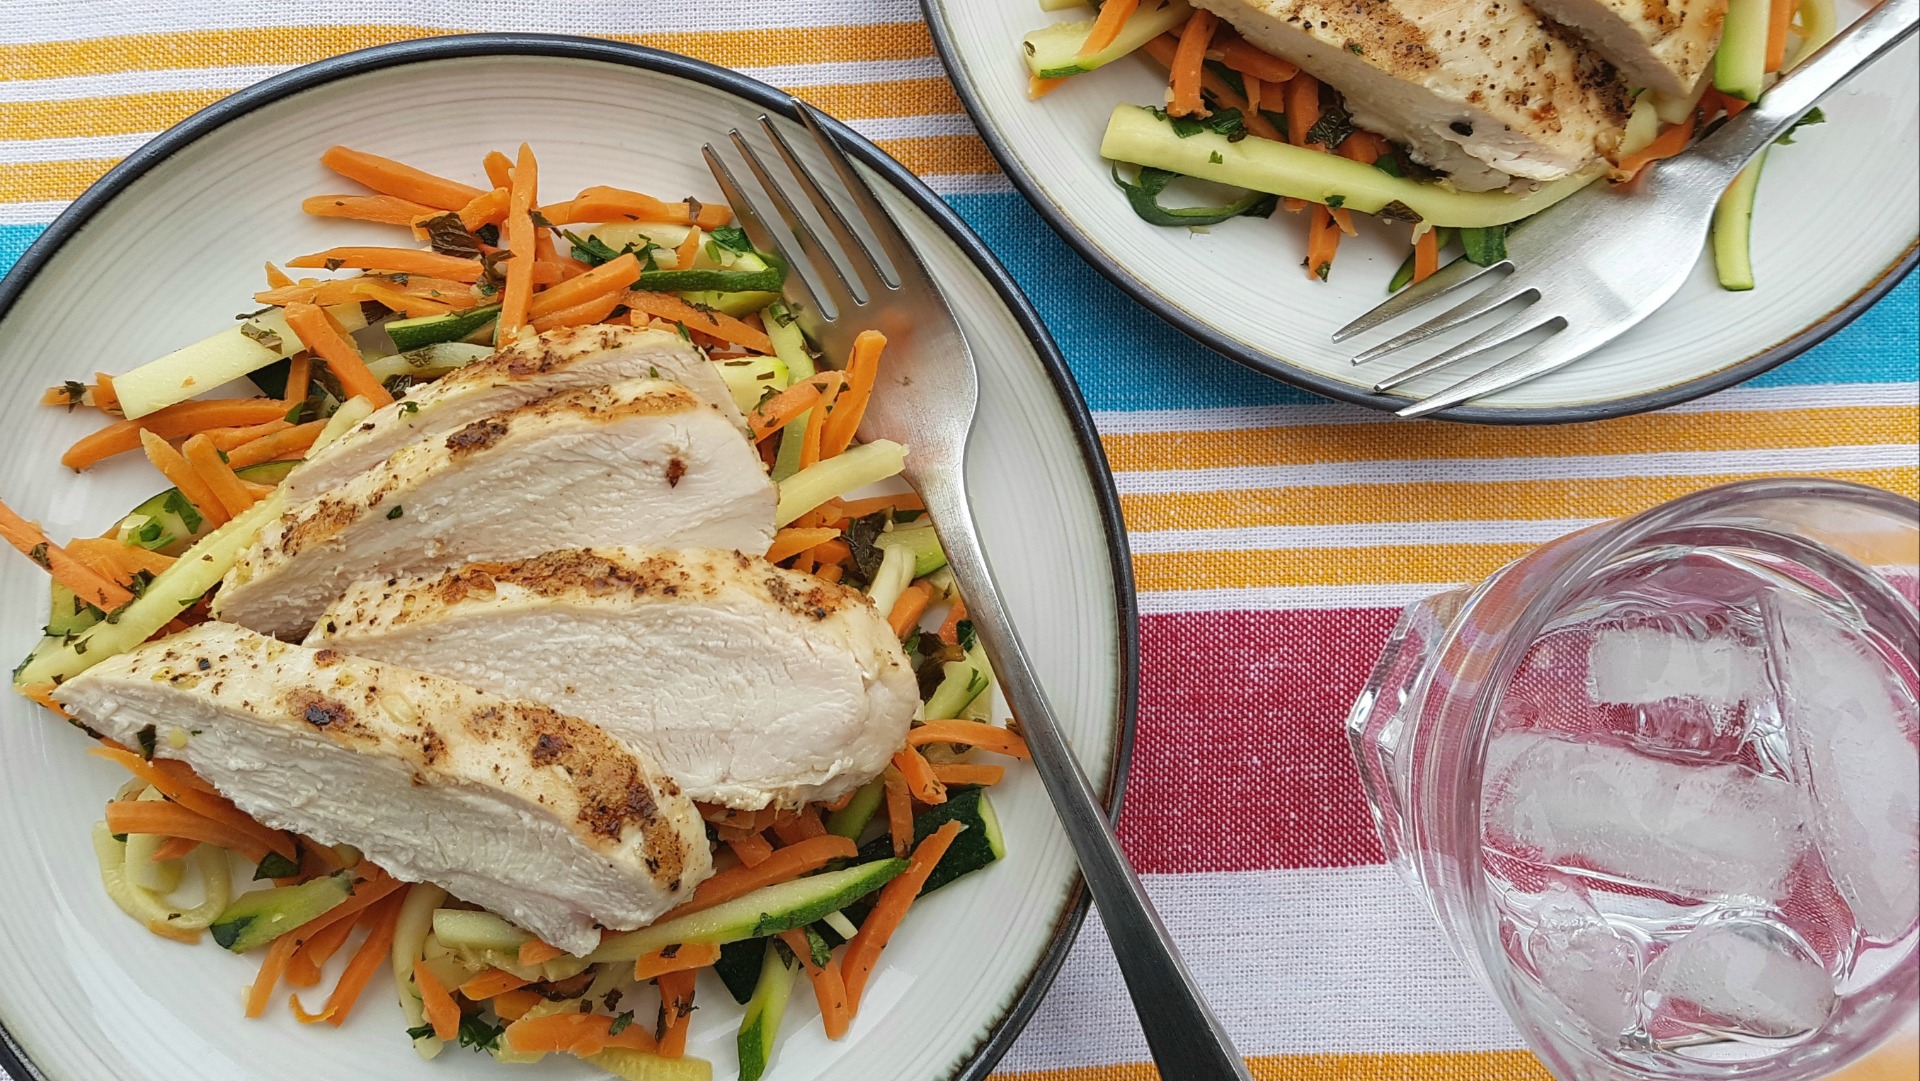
(803, 824)
(383, 209)
(1323, 239)
(487, 208)
(174, 848)
(120, 562)
(321, 335)
(1189, 62)
(493, 981)
(499, 169)
(783, 408)
(899, 810)
(299, 375)
(863, 369)
(1038, 88)
(572, 1033)
(1247, 59)
(394, 261)
(280, 446)
(271, 969)
(752, 849)
(1113, 16)
(841, 803)
(891, 908)
(1665, 145)
(689, 247)
(833, 551)
(581, 314)
(909, 608)
(1303, 109)
(950, 627)
(971, 734)
(277, 278)
(785, 864)
(1780, 20)
(443, 1013)
(513, 1005)
(719, 324)
(175, 820)
(968, 773)
(1364, 147)
(600, 203)
(175, 468)
(380, 919)
(829, 987)
(218, 476)
(42, 694)
(1426, 255)
(1162, 49)
(682, 958)
(518, 234)
(610, 277)
(87, 584)
(791, 542)
(226, 439)
(413, 307)
(919, 775)
(173, 422)
(1255, 91)
(389, 177)
(536, 952)
(676, 1012)
(304, 970)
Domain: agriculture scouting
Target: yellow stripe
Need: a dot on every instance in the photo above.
(1332, 504)
(1265, 568)
(305, 44)
(1385, 1066)
(1824, 427)
(30, 181)
(935, 155)
(128, 114)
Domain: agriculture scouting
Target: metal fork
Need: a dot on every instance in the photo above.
(928, 404)
(1603, 260)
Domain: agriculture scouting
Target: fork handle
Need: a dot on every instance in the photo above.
(1741, 139)
(1185, 1038)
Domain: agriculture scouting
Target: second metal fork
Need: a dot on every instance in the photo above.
(926, 400)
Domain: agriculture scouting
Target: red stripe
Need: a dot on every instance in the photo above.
(1241, 759)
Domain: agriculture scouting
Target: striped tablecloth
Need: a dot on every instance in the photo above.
(1275, 534)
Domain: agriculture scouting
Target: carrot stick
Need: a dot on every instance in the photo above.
(98, 591)
(384, 209)
(518, 234)
(1113, 16)
(116, 561)
(752, 849)
(909, 608)
(175, 468)
(513, 1005)
(783, 408)
(719, 324)
(958, 773)
(1038, 88)
(918, 773)
(829, 987)
(173, 422)
(676, 1012)
(950, 627)
(603, 203)
(791, 542)
(225, 439)
(219, 478)
(487, 208)
(299, 374)
(1189, 61)
(499, 169)
(1665, 145)
(863, 368)
(689, 247)
(443, 1013)
(591, 311)
(394, 261)
(492, 982)
(304, 970)
(173, 820)
(1162, 49)
(103, 396)
(1426, 255)
(278, 955)
(891, 908)
(667, 959)
(811, 439)
(969, 733)
(1303, 109)
(611, 276)
(536, 952)
(573, 1033)
(1780, 20)
(899, 810)
(785, 864)
(1364, 147)
(280, 446)
(174, 848)
(277, 278)
(389, 177)
(185, 788)
(413, 307)
(380, 919)
(1249, 60)
(803, 824)
(1323, 239)
(319, 333)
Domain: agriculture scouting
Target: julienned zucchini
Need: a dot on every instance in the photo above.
(1733, 229)
(790, 345)
(765, 1009)
(962, 681)
(256, 342)
(851, 821)
(750, 273)
(167, 523)
(197, 570)
(1137, 136)
(739, 967)
(763, 912)
(257, 918)
(979, 844)
(428, 362)
(750, 378)
(1740, 64)
(629, 1065)
(919, 540)
(408, 334)
(1053, 52)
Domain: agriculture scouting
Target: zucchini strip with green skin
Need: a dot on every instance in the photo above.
(1137, 136)
(1053, 52)
(1733, 229)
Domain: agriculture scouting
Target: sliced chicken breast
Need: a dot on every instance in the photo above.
(570, 358)
(641, 462)
(527, 812)
(1478, 89)
(752, 685)
(1663, 45)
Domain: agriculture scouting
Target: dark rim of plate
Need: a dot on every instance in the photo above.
(1007, 1027)
(1275, 367)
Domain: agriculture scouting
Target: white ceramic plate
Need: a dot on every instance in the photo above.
(169, 246)
(1834, 228)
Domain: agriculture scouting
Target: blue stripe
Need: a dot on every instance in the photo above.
(13, 242)
(1126, 358)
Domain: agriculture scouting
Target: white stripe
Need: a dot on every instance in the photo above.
(122, 83)
(78, 148)
(1356, 535)
(1463, 470)
(1288, 598)
(1293, 962)
(31, 213)
(969, 183)
(69, 20)
(911, 127)
(1737, 399)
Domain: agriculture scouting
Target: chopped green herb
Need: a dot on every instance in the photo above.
(76, 394)
(732, 238)
(479, 1034)
(409, 408)
(448, 235)
(1331, 129)
(489, 235)
(1214, 158)
(1143, 195)
(1335, 202)
(1227, 122)
(620, 1023)
(963, 631)
(274, 865)
(180, 507)
(395, 513)
(148, 738)
(419, 1032)
(1814, 116)
(38, 553)
(267, 339)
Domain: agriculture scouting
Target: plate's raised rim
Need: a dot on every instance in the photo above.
(1278, 368)
(1007, 1027)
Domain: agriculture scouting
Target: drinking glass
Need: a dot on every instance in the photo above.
(1659, 781)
